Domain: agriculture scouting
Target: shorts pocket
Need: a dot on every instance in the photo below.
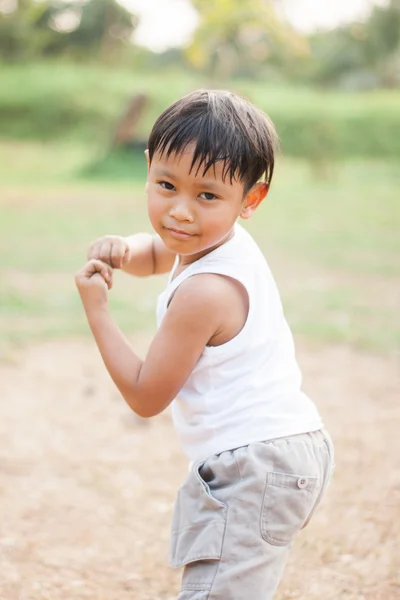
(288, 501)
(198, 522)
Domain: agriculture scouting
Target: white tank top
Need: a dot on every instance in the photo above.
(248, 389)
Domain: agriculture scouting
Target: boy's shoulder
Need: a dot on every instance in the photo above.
(204, 299)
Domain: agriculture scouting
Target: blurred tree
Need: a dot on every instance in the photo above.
(21, 32)
(103, 26)
(382, 43)
(79, 28)
(361, 54)
(239, 37)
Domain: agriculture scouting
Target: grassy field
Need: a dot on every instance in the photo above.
(62, 101)
(332, 243)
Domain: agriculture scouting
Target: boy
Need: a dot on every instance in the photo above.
(223, 354)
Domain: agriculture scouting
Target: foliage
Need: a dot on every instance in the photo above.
(361, 54)
(80, 28)
(236, 37)
(233, 39)
(21, 29)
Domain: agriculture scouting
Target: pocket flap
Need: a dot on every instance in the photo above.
(198, 523)
(292, 481)
(197, 543)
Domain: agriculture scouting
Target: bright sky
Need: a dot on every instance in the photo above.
(170, 23)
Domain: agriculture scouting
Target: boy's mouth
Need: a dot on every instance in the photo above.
(179, 233)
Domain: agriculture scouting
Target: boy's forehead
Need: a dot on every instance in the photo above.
(174, 158)
(181, 164)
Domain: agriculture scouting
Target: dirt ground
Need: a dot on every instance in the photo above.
(87, 488)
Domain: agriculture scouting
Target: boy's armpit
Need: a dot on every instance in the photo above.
(200, 311)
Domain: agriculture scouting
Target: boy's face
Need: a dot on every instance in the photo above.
(192, 213)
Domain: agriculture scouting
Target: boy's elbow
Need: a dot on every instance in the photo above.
(143, 409)
(144, 412)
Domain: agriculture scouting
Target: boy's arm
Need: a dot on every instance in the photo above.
(194, 316)
(148, 255)
(141, 254)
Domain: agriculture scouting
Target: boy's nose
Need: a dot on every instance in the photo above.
(180, 212)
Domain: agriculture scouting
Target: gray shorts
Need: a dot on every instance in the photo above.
(237, 512)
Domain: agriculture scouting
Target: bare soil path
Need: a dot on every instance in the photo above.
(87, 488)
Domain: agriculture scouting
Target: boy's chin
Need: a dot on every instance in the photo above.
(180, 249)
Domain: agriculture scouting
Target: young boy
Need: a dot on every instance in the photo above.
(223, 354)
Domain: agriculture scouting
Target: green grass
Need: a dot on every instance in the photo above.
(59, 102)
(47, 100)
(349, 221)
(333, 246)
(51, 163)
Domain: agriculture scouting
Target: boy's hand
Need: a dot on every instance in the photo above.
(93, 283)
(111, 249)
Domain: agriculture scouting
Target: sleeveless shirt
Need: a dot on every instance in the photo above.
(249, 388)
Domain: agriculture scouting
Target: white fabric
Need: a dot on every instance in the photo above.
(248, 389)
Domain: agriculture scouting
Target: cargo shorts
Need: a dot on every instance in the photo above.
(237, 512)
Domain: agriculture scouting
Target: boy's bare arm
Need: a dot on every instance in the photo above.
(197, 312)
(148, 255)
(141, 254)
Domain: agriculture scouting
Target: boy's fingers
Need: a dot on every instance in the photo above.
(105, 252)
(111, 250)
(107, 273)
(106, 277)
(97, 266)
(117, 255)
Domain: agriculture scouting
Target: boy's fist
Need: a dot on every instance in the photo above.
(93, 283)
(113, 250)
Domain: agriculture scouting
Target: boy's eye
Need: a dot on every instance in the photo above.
(166, 185)
(207, 196)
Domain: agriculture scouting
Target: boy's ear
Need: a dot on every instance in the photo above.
(253, 199)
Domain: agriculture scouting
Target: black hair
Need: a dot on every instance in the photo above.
(224, 127)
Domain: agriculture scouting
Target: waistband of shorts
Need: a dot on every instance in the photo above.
(319, 437)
